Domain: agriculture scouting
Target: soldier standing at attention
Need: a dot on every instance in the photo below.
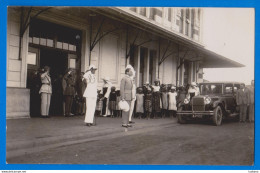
(251, 102)
(242, 99)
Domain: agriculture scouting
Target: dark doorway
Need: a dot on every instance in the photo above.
(58, 62)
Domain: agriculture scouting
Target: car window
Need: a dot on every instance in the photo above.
(228, 89)
(236, 87)
(211, 89)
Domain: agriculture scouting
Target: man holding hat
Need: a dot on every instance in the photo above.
(90, 94)
(126, 88)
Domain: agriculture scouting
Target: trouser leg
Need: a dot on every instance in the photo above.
(132, 105)
(251, 112)
(125, 115)
(67, 104)
(48, 104)
(43, 104)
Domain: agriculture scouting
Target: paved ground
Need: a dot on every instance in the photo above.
(156, 141)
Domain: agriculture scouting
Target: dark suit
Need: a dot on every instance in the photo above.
(126, 94)
(69, 92)
(251, 90)
(242, 100)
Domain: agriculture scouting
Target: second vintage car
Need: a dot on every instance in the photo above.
(216, 101)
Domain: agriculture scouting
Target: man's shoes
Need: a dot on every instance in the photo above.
(124, 125)
(131, 122)
(129, 125)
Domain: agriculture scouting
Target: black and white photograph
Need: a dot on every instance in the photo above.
(130, 85)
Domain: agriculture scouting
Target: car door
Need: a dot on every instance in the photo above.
(229, 97)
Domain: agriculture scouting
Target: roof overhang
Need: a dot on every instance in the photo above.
(208, 59)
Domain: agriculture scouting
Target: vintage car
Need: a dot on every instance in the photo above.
(216, 101)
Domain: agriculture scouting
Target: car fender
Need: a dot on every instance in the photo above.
(216, 103)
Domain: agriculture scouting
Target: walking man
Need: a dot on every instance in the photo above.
(242, 99)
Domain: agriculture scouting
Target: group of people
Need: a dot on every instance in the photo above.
(148, 101)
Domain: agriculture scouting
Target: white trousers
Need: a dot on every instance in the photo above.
(45, 103)
(132, 105)
(90, 109)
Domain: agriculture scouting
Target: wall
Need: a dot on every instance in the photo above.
(14, 65)
(17, 103)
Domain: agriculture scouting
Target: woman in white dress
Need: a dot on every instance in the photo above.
(106, 92)
(90, 94)
(172, 101)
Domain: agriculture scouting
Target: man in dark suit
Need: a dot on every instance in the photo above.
(251, 90)
(242, 99)
(126, 87)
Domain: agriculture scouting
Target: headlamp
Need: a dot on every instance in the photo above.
(207, 100)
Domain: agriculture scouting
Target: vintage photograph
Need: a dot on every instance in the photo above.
(130, 85)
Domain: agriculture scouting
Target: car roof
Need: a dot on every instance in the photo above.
(222, 82)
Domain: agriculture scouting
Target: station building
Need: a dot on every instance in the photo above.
(159, 42)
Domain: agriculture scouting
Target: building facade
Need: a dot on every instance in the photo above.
(159, 42)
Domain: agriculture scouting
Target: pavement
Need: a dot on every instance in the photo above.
(31, 135)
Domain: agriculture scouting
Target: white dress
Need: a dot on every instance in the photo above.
(91, 96)
(172, 101)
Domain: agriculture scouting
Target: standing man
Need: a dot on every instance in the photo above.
(251, 90)
(126, 88)
(45, 91)
(69, 92)
(132, 105)
(90, 94)
(242, 99)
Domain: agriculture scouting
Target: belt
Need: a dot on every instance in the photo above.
(70, 85)
(46, 84)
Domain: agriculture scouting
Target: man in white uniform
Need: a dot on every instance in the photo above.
(90, 94)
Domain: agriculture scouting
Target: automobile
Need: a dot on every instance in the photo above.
(216, 101)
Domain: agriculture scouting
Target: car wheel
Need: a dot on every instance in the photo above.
(181, 120)
(218, 115)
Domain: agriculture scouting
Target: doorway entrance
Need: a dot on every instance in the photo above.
(57, 60)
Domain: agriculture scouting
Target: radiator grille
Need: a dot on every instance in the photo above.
(198, 104)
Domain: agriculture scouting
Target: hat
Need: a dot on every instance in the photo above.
(193, 84)
(92, 67)
(107, 79)
(173, 87)
(129, 66)
(123, 105)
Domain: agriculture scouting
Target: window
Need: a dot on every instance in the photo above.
(72, 63)
(207, 89)
(143, 11)
(236, 87)
(187, 22)
(133, 9)
(48, 34)
(181, 21)
(229, 89)
(32, 58)
(169, 14)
